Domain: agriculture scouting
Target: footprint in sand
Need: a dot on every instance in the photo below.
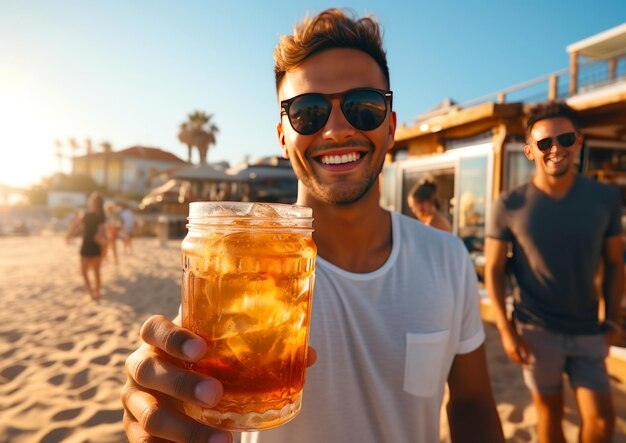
(47, 364)
(11, 336)
(7, 354)
(70, 362)
(79, 379)
(516, 415)
(57, 380)
(103, 360)
(106, 416)
(67, 414)
(56, 435)
(88, 393)
(12, 371)
(65, 346)
(521, 436)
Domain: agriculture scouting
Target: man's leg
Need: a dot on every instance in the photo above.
(543, 376)
(596, 414)
(589, 379)
(549, 417)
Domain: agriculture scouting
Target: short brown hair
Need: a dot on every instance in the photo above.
(425, 191)
(332, 28)
(544, 111)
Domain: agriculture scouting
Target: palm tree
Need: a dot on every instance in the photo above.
(59, 153)
(107, 149)
(73, 144)
(201, 133)
(89, 151)
(184, 136)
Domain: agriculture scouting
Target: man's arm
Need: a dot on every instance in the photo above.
(495, 277)
(472, 413)
(613, 284)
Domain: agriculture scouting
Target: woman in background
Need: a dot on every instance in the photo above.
(93, 241)
(423, 201)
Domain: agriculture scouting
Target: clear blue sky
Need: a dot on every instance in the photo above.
(130, 71)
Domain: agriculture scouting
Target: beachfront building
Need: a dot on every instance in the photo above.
(127, 172)
(473, 151)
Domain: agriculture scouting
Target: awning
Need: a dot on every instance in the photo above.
(206, 173)
(253, 173)
(605, 45)
(166, 193)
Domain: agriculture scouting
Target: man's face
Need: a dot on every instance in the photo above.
(337, 164)
(558, 160)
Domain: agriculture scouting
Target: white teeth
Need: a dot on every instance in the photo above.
(340, 159)
(556, 159)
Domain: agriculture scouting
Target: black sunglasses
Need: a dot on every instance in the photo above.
(364, 108)
(566, 140)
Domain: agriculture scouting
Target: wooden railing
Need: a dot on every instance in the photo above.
(556, 86)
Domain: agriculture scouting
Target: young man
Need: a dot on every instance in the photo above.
(395, 311)
(561, 225)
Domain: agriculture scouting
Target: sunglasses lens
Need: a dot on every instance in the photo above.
(365, 109)
(566, 140)
(545, 144)
(308, 113)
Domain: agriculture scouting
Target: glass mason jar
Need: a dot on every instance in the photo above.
(248, 272)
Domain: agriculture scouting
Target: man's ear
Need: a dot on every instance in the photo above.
(392, 130)
(528, 152)
(281, 139)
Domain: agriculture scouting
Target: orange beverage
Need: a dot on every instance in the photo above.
(248, 271)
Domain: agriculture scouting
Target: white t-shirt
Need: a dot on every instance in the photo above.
(128, 220)
(385, 342)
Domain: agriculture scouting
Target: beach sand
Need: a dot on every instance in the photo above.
(62, 355)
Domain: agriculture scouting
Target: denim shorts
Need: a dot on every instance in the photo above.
(581, 357)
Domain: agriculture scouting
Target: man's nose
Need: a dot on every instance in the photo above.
(337, 127)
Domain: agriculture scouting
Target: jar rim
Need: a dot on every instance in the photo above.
(229, 209)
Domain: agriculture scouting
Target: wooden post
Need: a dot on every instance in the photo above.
(612, 68)
(553, 88)
(573, 73)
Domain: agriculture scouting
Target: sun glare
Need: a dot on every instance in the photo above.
(26, 139)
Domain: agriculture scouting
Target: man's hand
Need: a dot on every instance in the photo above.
(613, 332)
(156, 387)
(514, 346)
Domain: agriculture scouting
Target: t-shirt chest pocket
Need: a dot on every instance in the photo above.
(423, 364)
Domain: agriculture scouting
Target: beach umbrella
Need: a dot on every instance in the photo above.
(166, 193)
(204, 173)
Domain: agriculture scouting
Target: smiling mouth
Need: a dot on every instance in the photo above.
(556, 159)
(340, 159)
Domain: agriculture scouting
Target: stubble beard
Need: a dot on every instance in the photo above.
(339, 194)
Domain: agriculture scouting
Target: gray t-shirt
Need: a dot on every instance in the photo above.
(557, 247)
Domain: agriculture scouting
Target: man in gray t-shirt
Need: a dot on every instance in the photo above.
(561, 226)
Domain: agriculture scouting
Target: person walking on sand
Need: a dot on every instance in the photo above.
(424, 204)
(128, 227)
(112, 228)
(93, 241)
(395, 312)
(561, 225)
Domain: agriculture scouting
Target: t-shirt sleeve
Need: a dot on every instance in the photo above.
(472, 330)
(497, 226)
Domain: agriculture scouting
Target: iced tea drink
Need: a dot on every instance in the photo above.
(248, 271)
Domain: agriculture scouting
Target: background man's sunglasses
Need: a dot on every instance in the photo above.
(364, 108)
(566, 140)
